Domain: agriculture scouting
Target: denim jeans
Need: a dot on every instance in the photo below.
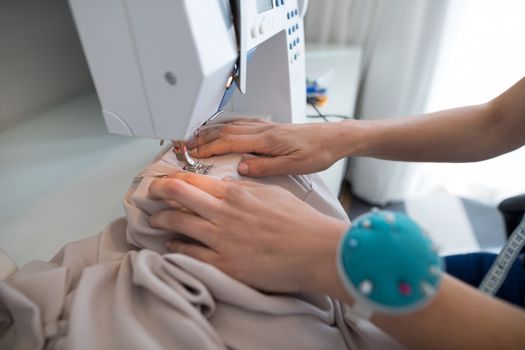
(471, 268)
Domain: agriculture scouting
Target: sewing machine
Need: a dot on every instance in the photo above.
(164, 68)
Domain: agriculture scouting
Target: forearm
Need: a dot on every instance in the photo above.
(459, 317)
(458, 135)
(447, 136)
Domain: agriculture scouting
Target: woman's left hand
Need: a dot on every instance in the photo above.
(261, 235)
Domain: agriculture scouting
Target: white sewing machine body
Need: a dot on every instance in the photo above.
(161, 67)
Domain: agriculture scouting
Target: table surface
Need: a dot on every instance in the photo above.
(63, 176)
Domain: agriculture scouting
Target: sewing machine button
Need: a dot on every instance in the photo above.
(254, 32)
(261, 28)
(296, 12)
(288, 15)
(282, 2)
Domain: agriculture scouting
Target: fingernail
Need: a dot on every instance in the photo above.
(191, 143)
(243, 168)
(169, 245)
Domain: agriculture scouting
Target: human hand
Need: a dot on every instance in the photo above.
(261, 235)
(283, 149)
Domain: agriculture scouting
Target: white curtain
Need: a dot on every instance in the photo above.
(476, 63)
(400, 40)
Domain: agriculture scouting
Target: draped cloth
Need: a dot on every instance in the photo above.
(122, 289)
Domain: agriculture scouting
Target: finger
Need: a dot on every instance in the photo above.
(235, 127)
(189, 196)
(251, 121)
(264, 166)
(193, 250)
(189, 224)
(174, 204)
(233, 144)
(208, 184)
(208, 134)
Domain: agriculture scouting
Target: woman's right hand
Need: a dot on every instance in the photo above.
(280, 149)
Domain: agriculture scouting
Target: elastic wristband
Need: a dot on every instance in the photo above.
(388, 264)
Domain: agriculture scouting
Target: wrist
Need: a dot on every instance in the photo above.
(357, 138)
(325, 277)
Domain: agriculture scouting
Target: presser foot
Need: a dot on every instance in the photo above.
(192, 165)
(198, 168)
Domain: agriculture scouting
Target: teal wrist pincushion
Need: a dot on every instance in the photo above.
(388, 264)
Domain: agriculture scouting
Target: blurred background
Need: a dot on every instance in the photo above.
(423, 56)
(415, 56)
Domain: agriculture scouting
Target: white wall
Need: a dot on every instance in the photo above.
(41, 60)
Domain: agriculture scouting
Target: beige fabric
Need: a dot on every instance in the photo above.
(308, 188)
(104, 293)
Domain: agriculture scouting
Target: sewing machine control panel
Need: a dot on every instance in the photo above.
(270, 17)
(271, 60)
